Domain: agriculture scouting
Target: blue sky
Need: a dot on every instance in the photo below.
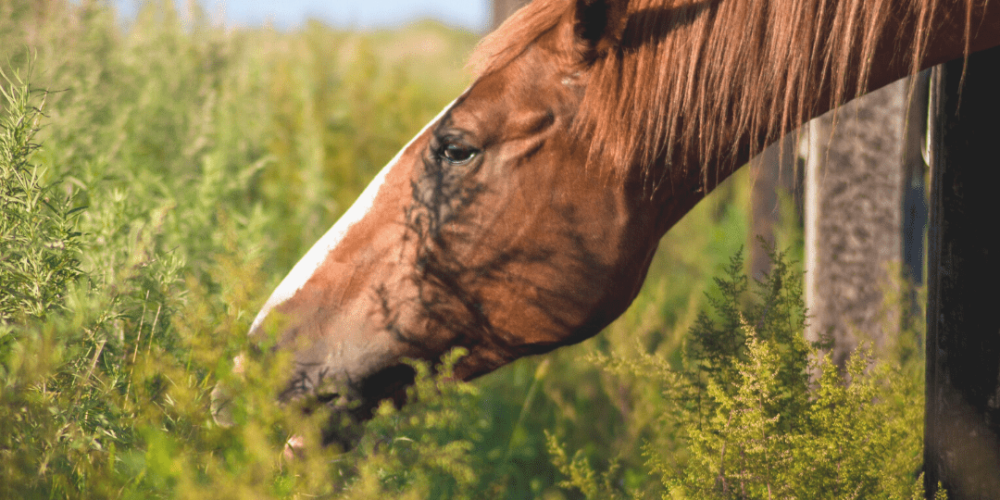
(363, 14)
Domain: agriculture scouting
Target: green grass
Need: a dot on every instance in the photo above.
(159, 178)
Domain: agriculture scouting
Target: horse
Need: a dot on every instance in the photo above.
(524, 217)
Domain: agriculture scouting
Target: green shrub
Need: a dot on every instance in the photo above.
(759, 413)
(47, 442)
(39, 248)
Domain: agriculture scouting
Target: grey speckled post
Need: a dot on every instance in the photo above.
(856, 177)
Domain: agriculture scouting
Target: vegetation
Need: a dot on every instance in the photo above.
(755, 412)
(159, 177)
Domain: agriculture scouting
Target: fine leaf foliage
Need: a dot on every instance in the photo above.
(39, 248)
(762, 414)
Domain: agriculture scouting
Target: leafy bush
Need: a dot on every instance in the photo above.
(759, 413)
(39, 265)
(39, 249)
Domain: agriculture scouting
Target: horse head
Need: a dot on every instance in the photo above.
(524, 217)
(487, 231)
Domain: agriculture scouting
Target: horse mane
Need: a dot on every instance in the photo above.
(700, 74)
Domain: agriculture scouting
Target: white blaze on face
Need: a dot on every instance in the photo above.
(306, 266)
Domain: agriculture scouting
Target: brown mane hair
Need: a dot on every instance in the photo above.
(700, 74)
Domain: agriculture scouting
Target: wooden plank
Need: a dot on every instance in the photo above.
(962, 421)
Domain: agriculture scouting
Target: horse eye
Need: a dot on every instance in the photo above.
(457, 154)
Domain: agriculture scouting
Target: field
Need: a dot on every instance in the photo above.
(158, 179)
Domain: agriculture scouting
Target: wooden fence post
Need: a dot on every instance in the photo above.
(855, 181)
(962, 421)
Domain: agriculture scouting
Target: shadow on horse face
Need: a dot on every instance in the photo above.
(485, 232)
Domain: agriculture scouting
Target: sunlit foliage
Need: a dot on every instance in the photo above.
(158, 176)
(755, 412)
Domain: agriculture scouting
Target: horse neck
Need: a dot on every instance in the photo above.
(956, 28)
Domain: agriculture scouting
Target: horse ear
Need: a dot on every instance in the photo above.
(599, 24)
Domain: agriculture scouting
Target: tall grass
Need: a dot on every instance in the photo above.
(159, 177)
